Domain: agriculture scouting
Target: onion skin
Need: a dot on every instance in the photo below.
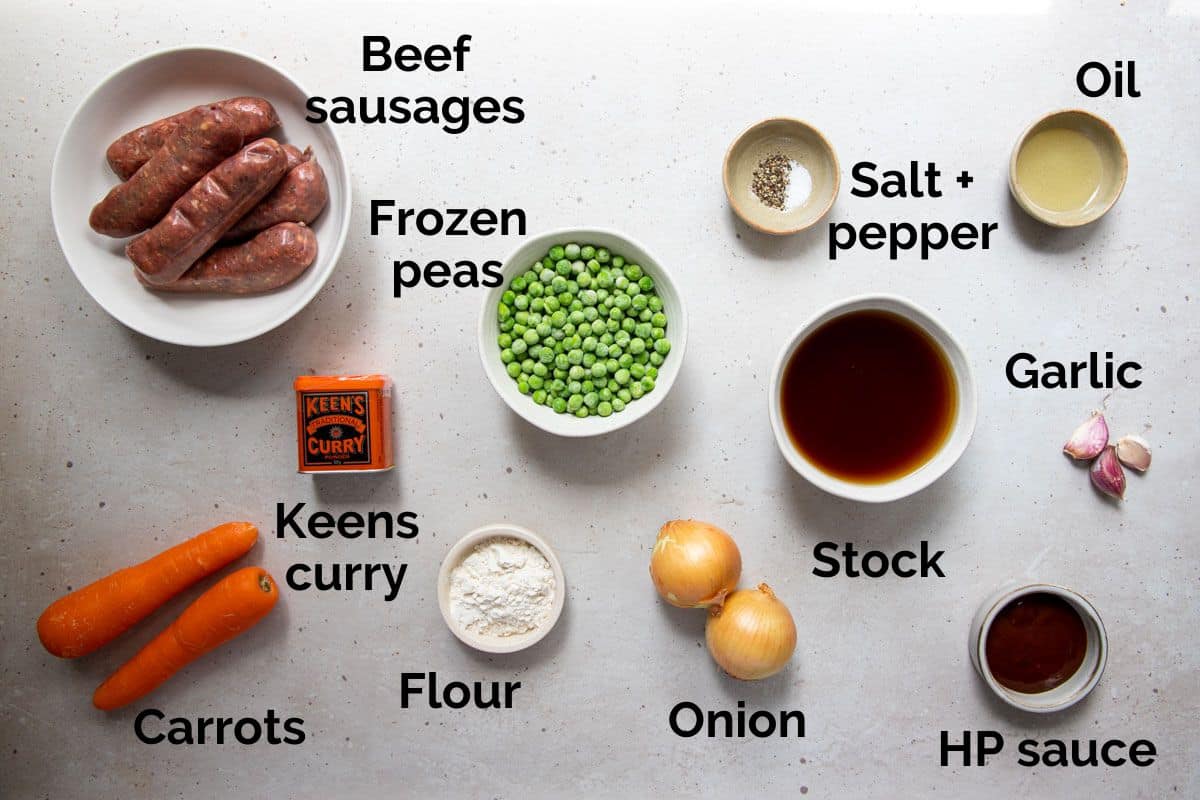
(752, 635)
(694, 564)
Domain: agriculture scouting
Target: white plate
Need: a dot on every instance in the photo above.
(534, 249)
(461, 550)
(142, 91)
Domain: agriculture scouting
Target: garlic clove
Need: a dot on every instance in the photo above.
(1134, 452)
(1088, 439)
(1107, 475)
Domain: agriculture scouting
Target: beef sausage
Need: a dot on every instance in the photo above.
(205, 137)
(200, 218)
(300, 197)
(255, 116)
(273, 258)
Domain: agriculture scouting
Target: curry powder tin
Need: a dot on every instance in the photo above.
(344, 423)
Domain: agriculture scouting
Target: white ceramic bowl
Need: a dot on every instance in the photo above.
(543, 416)
(952, 448)
(509, 644)
(1075, 688)
(144, 90)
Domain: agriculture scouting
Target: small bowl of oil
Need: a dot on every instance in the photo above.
(1068, 168)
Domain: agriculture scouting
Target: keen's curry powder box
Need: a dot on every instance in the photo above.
(344, 423)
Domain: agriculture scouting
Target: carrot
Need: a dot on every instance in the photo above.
(230, 607)
(89, 618)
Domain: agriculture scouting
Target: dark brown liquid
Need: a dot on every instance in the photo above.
(868, 397)
(1036, 643)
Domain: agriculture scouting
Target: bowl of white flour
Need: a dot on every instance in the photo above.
(501, 588)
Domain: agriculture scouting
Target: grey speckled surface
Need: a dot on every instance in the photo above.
(112, 445)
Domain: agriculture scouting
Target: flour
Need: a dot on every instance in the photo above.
(503, 587)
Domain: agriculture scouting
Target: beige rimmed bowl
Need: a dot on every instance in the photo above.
(801, 143)
(1075, 688)
(1113, 159)
(491, 644)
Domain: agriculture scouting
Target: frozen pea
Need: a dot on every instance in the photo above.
(602, 255)
(616, 315)
(652, 372)
(574, 387)
(562, 268)
(576, 372)
(656, 359)
(624, 396)
(582, 413)
(662, 347)
(545, 276)
(514, 369)
(518, 284)
(519, 346)
(588, 296)
(574, 402)
(531, 336)
(588, 386)
(523, 386)
(618, 261)
(601, 350)
(655, 303)
(657, 333)
(591, 399)
(659, 320)
(625, 361)
(557, 252)
(559, 405)
(599, 369)
(636, 390)
(561, 361)
(535, 381)
(521, 303)
(621, 283)
(633, 272)
(618, 405)
(622, 376)
(506, 324)
(586, 252)
(568, 330)
(509, 297)
(536, 289)
(639, 302)
(571, 251)
(588, 360)
(637, 346)
(507, 356)
(504, 340)
(637, 371)
(527, 366)
(628, 324)
(546, 356)
(590, 313)
(648, 384)
(604, 409)
(584, 280)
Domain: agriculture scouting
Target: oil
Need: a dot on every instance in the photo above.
(868, 397)
(1059, 169)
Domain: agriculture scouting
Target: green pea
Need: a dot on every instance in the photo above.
(576, 373)
(648, 383)
(621, 283)
(657, 333)
(506, 324)
(559, 374)
(588, 360)
(522, 302)
(574, 402)
(611, 365)
(545, 276)
(624, 396)
(599, 369)
(637, 346)
(607, 338)
(604, 409)
(536, 289)
(633, 272)
(637, 371)
(642, 330)
(582, 413)
(645, 315)
(591, 399)
(605, 394)
(593, 266)
(613, 326)
(602, 255)
(575, 305)
(584, 280)
(508, 297)
(622, 376)
(530, 336)
(559, 405)
(656, 303)
(571, 251)
(636, 390)
(519, 346)
(523, 386)
(617, 315)
(587, 251)
(588, 296)
(518, 284)
(618, 262)
(590, 313)
(546, 356)
(507, 356)
(527, 366)
(602, 350)
(618, 405)
(557, 252)
(646, 282)
(623, 302)
(597, 327)
(563, 361)
(574, 387)
(656, 359)
(514, 369)
(539, 397)
(625, 361)
(629, 324)
(659, 320)
(639, 302)
(562, 267)
(589, 344)
(662, 347)
(652, 372)
(587, 387)
(552, 303)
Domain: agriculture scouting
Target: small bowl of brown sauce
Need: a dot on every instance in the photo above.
(1039, 648)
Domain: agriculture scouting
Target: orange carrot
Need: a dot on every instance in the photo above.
(89, 618)
(230, 607)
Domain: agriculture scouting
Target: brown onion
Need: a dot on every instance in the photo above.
(752, 635)
(694, 564)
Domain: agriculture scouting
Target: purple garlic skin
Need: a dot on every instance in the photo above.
(1089, 438)
(1107, 475)
(1134, 452)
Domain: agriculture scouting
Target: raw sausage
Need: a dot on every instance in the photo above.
(198, 219)
(300, 197)
(273, 258)
(204, 137)
(255, 116)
